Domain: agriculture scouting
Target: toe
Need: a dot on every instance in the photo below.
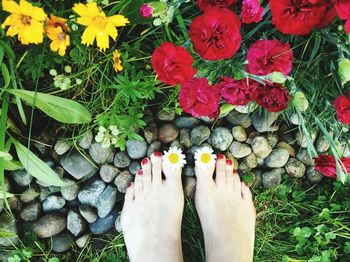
(246, 193)
(147, 171)
(138, 185)
(234, 179)
(220, 170)
(172, 174)
(204, 175)
(129, 196)
(230, 176)
(156, 159)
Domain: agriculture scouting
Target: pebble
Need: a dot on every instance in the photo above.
(108, 173)
(100, 154)
(185, 137)
(304, 157)
(221, 138)
(153, 147)
(75, 223)
(82, 241)
(121, 160)
(272, 139)
(102, 225)
(168, 133)
(261, 147)
(302, 141)
(186, 122)
(265, 122)
(177, 144)
(151, 132)
(188, 171)
(251, 161)
(136, 148)
(31, 212)
(106, 201)
(88, 212)
(322, 144)
(295, 168)
(239, 133)
(22, 177)
(190, 187)
(240, 150)
(313, 175)
(61, 147)
(166, 115)
(238, 119)
(86, 140)
(29, 195)
(8, 224)
(122, 181)
(278, 158)
(272, 178)
(134, 167)
(78, 166)
(61, 242)
(49, 225)
(15, 204)
(90, 193)
(118, 225)
(199, 134)
(53, 203)
(70, 192)
(258, 179)
(288, 147)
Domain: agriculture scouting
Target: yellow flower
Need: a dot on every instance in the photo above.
(98, 25)
(55, 21)
(117, 61)
(25, 20)
(60, 40)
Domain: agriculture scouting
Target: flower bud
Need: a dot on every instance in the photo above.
(146, 11)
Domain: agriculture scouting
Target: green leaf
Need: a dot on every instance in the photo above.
(36, 167)
(5, 75)
(277, 77)
(7, 195)
(225, 109)
(4, 234)
(61, 109)
(12, 165)
(300, 101)
(1, 53)
(344, 70)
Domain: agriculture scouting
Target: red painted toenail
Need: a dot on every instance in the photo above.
(157, 154)
(219, 156)
(229, 162)
(130, 184)
(144, 161)
(140, 172)
(235, 172)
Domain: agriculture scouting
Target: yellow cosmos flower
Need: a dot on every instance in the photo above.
(25, 20)
(98, 25)
(117, 61)
(60, 40)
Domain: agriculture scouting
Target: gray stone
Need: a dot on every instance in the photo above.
(106, 201)
(238, 119)
(251, 161)
(53, 203)
(272, 178)
(313, 175)
(304, 157)
(199, 134)
(22, 177)
(272, 139)
(14, 203)
(221, 138)
(31, 212)
(295, 168)
(75, 223)
(82, 241)
(258, 179)
(261, 147)
(167, 133)
(322, 144)
(239, 133)
(190, 187)
(134, 167)
(121, 160)
(78, 166)
(185, 137)
(89, 213)
(240, 150)
(186, 122)
(166, 115)
(153, 147)
(118, 225)
(136, 148)
(278, 158)
(302, 139)
(29, 195)
(151, 132)
(177, 144)
(265, 122)
(243, 167)
(102, 225)
(288, 147)
(90, 193)
(86, 140)
(61, 243)
(189, 171)
(108, 173)
(100, 154)
(122, 181)
(70, 192)
(8, 225)
(49, 225)
(44, 193)
(61, 147)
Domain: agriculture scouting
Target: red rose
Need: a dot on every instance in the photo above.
(272, 96)
(267, 56)
(252, 12)
(347, 26)
(173, 64)
(198, 98)
(327, 166)
(215, 34)
(343, 9)
(342, 107)
(205, 4)
(237, 92)
(297, 17)
(328, 15)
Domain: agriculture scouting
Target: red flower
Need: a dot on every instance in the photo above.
(267, 56)
(205, 4)
(146, 11)
(328, 15)
(327, 166)
(173, 64)
(272, 96)
(237, 92)
(198, 98)
(343, 9)
(215, 34)
(252, 12)
(342, 107)
(297, 17)
(347, 26)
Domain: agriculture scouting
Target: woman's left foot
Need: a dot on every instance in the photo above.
(152, 213)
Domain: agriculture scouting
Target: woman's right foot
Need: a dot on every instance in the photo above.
(227, 213)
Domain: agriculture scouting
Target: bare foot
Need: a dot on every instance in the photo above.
(152, 214)
(227, 213)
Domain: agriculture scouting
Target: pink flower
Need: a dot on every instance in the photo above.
(146, 11)
(252, 12)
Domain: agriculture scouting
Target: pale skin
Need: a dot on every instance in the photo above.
(152, 213)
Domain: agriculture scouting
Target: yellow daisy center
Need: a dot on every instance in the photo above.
(100, 21)
(173, 158)
(26, 20)
(205, 158)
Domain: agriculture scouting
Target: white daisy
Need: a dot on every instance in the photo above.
(204, 157)
(174, 159)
